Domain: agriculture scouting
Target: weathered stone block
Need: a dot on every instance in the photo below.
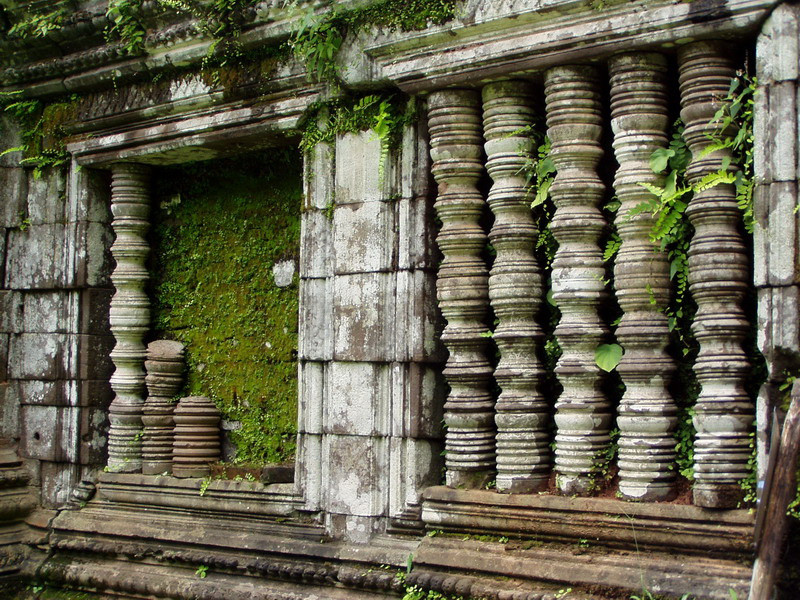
(358, 399)
(94, 308)
(316, 248)
(51, 312)
(93, 436)
(316, 320)
(782, 130)
(416, 234)
(58, 481)
(13, 190)
(779, 325)
(352, 475)
(762, 147)
(776, 236)
(358, 171)
(11, 311)
(413, 466)
(318, 177)
(777, 48)
(418, 324)
(9, 412)
(414, 163)
(364, 310)
(60, 356)
(10, 138)
(46, 433)
(70, 392)
(308, 465)
(47, 197)
(4, 338)
(313, 390)
(365, 237)
(418, 395)
(89, 195)
(58, 256)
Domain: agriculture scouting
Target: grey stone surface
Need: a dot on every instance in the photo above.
(51, 312)
(359, 399)
(776, 235)
(358, 169)
(365, 237)
(283, 273)
(58, 481)
(417, 401)
(778, 326)
(9, 411)
(11, 311)
(412, 170)
(94, 309)
(13, 189)
(58, 256)
(352, 471)
(308, 470)
(46, 433)
(319, 177)
(312, 396)
(413, 465)
(416, 234)
(364, 308)
(47, 197)
(777, 47)
(417, 322)
(782, 130)
(4, 337)
(316, 238)
(63, 392)
(60, 356)
(88, 195)
(9, 138)
(316, 319)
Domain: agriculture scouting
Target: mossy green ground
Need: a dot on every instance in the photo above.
(220, 226)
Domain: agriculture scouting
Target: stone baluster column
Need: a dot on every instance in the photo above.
(165, 366)
(647, 414)
(718, 281)
(515, 289)
(583, 414)
(129, 314)
(454, 120)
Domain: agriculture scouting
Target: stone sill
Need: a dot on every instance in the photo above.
(231, 497)
(612, 523)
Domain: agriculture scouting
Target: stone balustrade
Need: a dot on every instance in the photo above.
(516, 446)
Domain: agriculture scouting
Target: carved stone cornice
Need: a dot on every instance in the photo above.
(719, 276)
(646, 414)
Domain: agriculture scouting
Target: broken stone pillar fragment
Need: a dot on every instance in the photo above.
(718, 282)
(646, 414)
(454, 121)
(515, 290)
(129, 314)
(165, 367)
(197, 434)
(583, 415)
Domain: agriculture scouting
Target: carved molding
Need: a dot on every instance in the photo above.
(454, 120)
(647, 413)
(718, 281)
(583, 415)
(515, 290)
(129, 314)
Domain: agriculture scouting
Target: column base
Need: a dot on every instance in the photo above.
(469, 480)
(727, 495)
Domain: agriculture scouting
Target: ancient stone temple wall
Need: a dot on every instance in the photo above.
(433, 432)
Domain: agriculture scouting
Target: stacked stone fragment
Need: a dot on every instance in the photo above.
(197, 437)
(165, 366)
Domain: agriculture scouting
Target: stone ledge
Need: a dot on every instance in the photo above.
(224, 496)
(608, 522)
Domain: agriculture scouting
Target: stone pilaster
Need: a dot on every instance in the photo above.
(129, 314)
(718, 281)
(454, 121)
(583, 414)
(647, 414)
(165, 367)
(515, 291)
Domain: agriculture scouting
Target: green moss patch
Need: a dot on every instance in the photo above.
(220, 226)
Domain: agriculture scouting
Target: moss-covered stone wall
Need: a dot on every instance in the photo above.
(219, 229)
